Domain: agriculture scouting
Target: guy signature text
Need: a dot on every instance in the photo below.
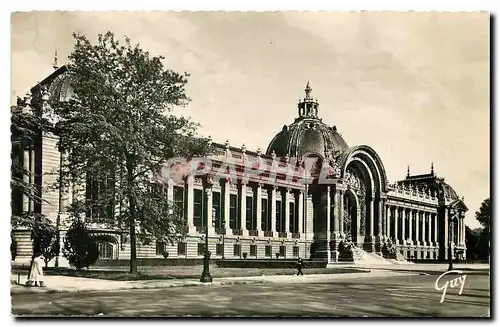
(459, 281)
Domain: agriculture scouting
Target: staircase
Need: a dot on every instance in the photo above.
(361, 257)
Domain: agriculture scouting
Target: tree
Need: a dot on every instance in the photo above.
(80, 248)
(119, 130)
(46, 241)
(483, 215)
(471, 240)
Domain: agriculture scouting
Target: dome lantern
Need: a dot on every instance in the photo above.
(308, 107)
(307, 135)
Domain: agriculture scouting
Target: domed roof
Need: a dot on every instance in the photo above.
(307, 135)
(433, 183)
(60, 89)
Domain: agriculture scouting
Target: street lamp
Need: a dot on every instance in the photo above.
(205, 275)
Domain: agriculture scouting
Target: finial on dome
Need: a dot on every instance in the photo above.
(408, 171)
(432, 168)
(54, 65)
(308, 90)
(27, 98)
(227, 144)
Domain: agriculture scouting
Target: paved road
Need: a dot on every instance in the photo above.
(407, 296)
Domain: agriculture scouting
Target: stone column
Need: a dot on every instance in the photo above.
(32, 177)
(26, 178)
(414, 214)
(259, 210)
(341, 212)
(211, 230)
(369, 244)
(396, 225)
(381, 217)
(429, 228)
(336, 237)
(287, 212)
(301, 212)
(422, 216)
(434, 216)
(273, 209)
(381, 224)
(64, 189)
(243, 209)
(403, 225)
(388, 216)
(170, 191)
(463, 230)
(328, 223)
(372, 215)
(227, 187)
(190, 204)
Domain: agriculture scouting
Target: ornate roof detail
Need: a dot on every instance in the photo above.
(307, 135)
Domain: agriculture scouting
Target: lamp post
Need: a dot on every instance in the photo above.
(205, 275)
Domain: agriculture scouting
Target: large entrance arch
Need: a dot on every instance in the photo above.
(364, 175)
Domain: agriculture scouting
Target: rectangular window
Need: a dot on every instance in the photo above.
(179, 201)
(249, 213)
(278, 217)
(100, 198)
(233, 211)
(293, 223)
(253, 250)
(237, 250)
(181, 248)
(219, 249)
(268, 251)
(216, 210)
(201, 248)
(283, 251)
(160, 247)
(296, 251)
(264, 223)
(198, 208)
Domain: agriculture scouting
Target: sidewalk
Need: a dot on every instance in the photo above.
(79, 284)
(430, 267)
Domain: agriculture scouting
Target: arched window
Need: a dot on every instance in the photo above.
(105, 249)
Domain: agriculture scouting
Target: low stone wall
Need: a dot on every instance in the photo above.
(150, 262)
(276, 264)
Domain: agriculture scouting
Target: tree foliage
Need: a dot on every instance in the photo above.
(80, 248)
(45, 241)
(478, 240)
(484, 214)
(119, 126)
(25, 125)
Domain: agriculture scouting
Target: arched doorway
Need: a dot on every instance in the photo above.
(350, 218)
(107, 246)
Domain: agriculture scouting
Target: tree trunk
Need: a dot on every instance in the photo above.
(133, 250)
(132, 203)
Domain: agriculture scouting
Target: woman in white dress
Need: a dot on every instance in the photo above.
(35, 277)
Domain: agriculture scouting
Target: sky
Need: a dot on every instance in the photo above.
(413, 86)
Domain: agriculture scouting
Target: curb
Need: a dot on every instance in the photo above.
(20, 289)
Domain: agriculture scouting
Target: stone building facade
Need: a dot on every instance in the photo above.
(305, 194)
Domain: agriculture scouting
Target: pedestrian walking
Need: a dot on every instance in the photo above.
(300, 265)
(35, 277)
